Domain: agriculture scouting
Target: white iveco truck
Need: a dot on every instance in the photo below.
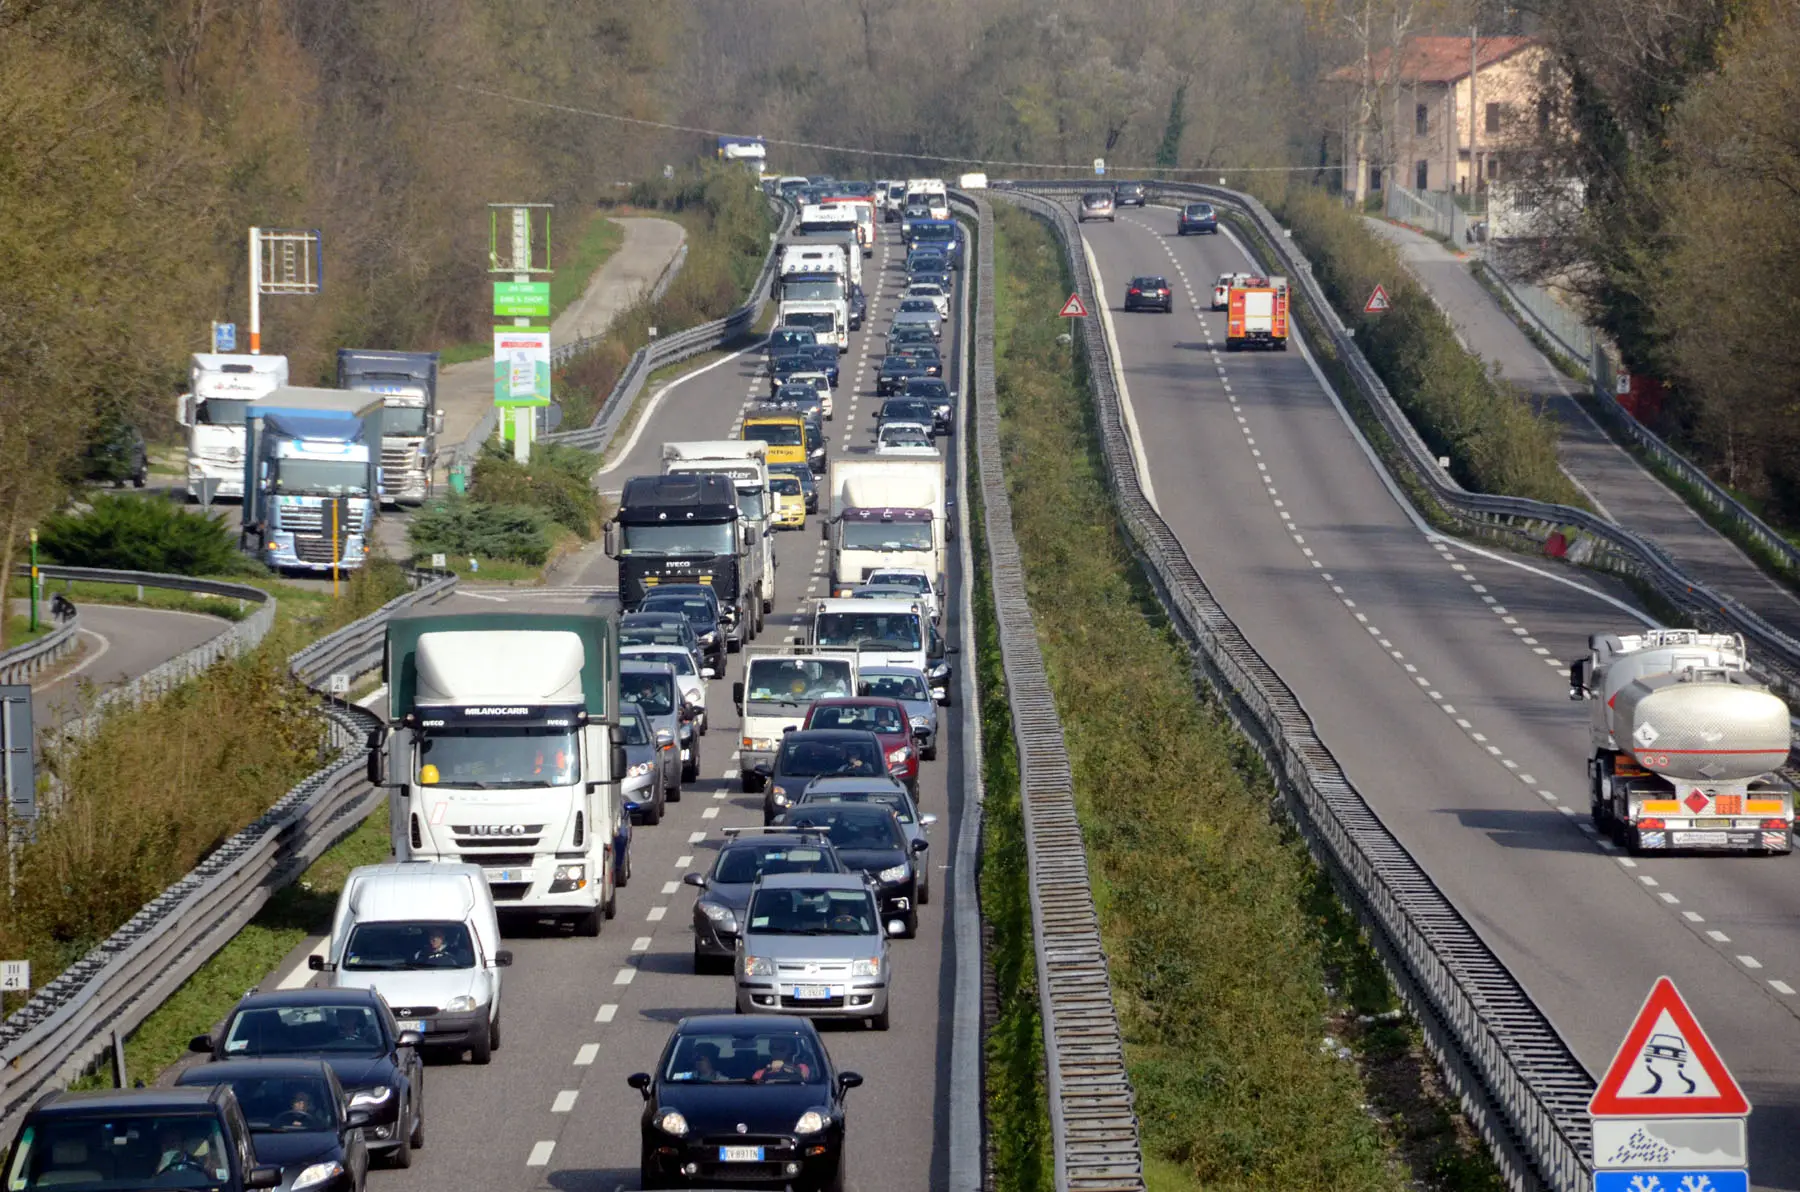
(503, 749)
(1685, 744)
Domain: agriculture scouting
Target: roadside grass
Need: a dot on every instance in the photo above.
(510, 571)
(1241, 983)
(18, 625)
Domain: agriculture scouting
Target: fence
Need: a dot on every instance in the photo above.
(1433, 211)
(69, 1023)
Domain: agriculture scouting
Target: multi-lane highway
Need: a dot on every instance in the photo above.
(1436, 672)
(553, 1110)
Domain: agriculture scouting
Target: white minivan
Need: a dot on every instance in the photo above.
(425, 936)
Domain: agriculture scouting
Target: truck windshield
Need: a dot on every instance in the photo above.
(796, 680)
(392, 947)
(822, 322)
(680, 538)
(812, 291)
(322, 477)
(887, 535)
(491, 759)
(869, 631)
(403, 421)
(221, 411)
(775, 434)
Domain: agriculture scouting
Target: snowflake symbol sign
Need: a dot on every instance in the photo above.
(1696, 1183)
(1646, 1183)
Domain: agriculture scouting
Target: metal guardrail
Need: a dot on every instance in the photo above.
(68, 1024)
(1521, 1085)
(1093, 1125)
(23, 663)
(671, 349)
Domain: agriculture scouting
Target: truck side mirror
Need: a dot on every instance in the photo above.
(619, 762)
(377, 764)
(1578, 686)
(610, 540)
(737, 695)
(437, 422)
(824, 529)
(184, 409)
(399, 759)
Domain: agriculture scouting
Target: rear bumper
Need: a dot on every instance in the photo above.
(1713, 840)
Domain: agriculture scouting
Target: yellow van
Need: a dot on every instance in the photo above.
(783, 430)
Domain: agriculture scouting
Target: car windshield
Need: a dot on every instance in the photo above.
(902, 435)
(499, 758)
(775, 434)
(653, 692)
(767, 1056)
(791, 338)
(934, 232)
(680, 538)
(811, 757)
(907, 410)
(874, 718)
(305, 1030)
(868, 630)
(124, 1151)
(904, 579)
(785, 680)
(681, 660)
(1199, 209)
(786, 485)
(850, 827)
(812, 912)
(918, 306)
(279, 1105)
(697, 610)
(650, 637)
(741, 864)
(879, 535)
(928, 390)
(894, 801)
(900, 687)
(632, 729)
(894, 364)
(393, 947)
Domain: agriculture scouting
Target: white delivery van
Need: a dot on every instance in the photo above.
(425, 936)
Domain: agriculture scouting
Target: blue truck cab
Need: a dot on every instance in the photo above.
(312, 477)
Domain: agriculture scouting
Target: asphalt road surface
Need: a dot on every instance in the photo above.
(553, 1110)
(121, 643)
(1436, 672)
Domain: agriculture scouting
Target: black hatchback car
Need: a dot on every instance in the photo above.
(1150, 293)
(300, 1120)
(806, 754)
(869, 838)
(743, 1099)
(353, 1031)
(1199, 219)
(1129, 194)
(142, 1138)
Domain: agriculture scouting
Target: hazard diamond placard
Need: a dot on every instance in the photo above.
(1378, 301)
(1073, 308)
(1667, 1067)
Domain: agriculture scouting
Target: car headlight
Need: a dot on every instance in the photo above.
(318, 1173)
(812, 1121)
(897, 757)
(670, 1121)
(921, 722)
(778, 795)
(692, 698)
(371, 1098)
(895, 873)
(719, 914)
(460, 1003)
(758, 966)
(870, 967)
(639, 770)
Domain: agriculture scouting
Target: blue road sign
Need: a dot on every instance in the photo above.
(224, 337)
(1671, 1181)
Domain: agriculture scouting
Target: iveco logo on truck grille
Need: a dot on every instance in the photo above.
(496, 830)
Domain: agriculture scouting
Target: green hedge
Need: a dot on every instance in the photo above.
(135, 533)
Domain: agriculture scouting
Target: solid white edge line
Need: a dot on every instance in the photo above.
(1145, 483)
(649, 412)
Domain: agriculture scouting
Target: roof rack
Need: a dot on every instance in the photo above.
(775, 829)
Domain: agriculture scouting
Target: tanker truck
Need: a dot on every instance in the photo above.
(1685, 744)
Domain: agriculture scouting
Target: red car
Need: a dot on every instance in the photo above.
(886, 718)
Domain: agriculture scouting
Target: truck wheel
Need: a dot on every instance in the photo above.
(588, 925)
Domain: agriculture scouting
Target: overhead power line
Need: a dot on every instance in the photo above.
(946, 159)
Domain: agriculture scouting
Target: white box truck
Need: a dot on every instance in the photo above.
(886, 511)
(745, 462)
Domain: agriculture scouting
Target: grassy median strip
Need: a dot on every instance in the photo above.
(1258, 1027)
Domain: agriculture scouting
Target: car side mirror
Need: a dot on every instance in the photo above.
(409, 1039)
(263, 1177)
(707, 672)
(641, 1082)
(503, 958)
(919, 846)
(695, 879)
(201, 1043)
(896, 927)
(356, 1119)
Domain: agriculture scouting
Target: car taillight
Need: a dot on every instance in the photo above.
(1134, 289)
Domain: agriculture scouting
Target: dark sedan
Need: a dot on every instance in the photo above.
(895, 371)
(746, 856)
(805, 755)
(1150, 293)
(825, 360)
(1199, 219)
(788, 363)
(927, 354)
(700, 605)
(901, 408)
(926, 260)
(299, 1119)
(859, 307)
(743, 1099)
(1129, 194)
(352, 1030)
(937, 394)
(869, 838)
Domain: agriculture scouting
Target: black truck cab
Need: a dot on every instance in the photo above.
(684, 529)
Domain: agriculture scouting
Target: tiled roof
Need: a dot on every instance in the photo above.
(1437, 59)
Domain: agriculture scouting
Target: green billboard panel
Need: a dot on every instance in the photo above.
(522, 299)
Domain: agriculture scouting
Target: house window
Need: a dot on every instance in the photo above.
(1545, 109)
(1374, 177)
(1493, 167)
(1422, 175)
(1422, 120)
(1493, 117)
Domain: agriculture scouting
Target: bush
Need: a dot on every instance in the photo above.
(461, 526)
(556, 481)
(133, 533)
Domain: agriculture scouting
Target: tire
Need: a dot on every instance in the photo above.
(588, 926)
(690, 770)
(882, 1020)
(494, 1032)
(929, 753)
(751, 781)
(925, 892)
(620, 881)
(652, 815)
(417, 1138)
(139, 480)
(610, 908)
(673, 794)
(912, 924)
(400, 1157)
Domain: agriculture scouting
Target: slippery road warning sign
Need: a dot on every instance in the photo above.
(1378, 301)
(1667, 1067)
(1073, 308)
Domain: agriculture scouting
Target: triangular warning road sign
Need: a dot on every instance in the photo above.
(1378, 301)
(1073, 308)
(1667, 1067)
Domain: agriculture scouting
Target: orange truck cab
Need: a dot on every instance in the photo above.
(1257, 314)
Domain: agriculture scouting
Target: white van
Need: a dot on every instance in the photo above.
(424, 936)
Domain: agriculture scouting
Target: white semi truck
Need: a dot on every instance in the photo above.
(1685, 744)
(503, 749)
(745, 462)
(885, 512)
(411, 421)
(220, 389)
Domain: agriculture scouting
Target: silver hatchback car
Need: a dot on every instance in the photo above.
(1096, 205)
(812, 944)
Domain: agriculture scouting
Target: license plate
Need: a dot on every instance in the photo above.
(509, 875)
(1680, 838)
(412, 1024)
(815, 993)
(740, 1154)
(1712, 823)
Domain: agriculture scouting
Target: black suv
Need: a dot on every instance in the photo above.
(137, 1138)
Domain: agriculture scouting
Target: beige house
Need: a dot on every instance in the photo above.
(1450, 113)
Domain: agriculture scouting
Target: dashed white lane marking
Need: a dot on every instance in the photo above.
(656, 914)
(670, 887)
(685, 860)
(540, 1153)
(696, 837)
(1718, 937)
(565, 1101)
(1782, 987)
(1750, 962)
(710, 813)
(625, 976)
(586, 1055)
(1692, 917)
(641, 944)
(605, 1014)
